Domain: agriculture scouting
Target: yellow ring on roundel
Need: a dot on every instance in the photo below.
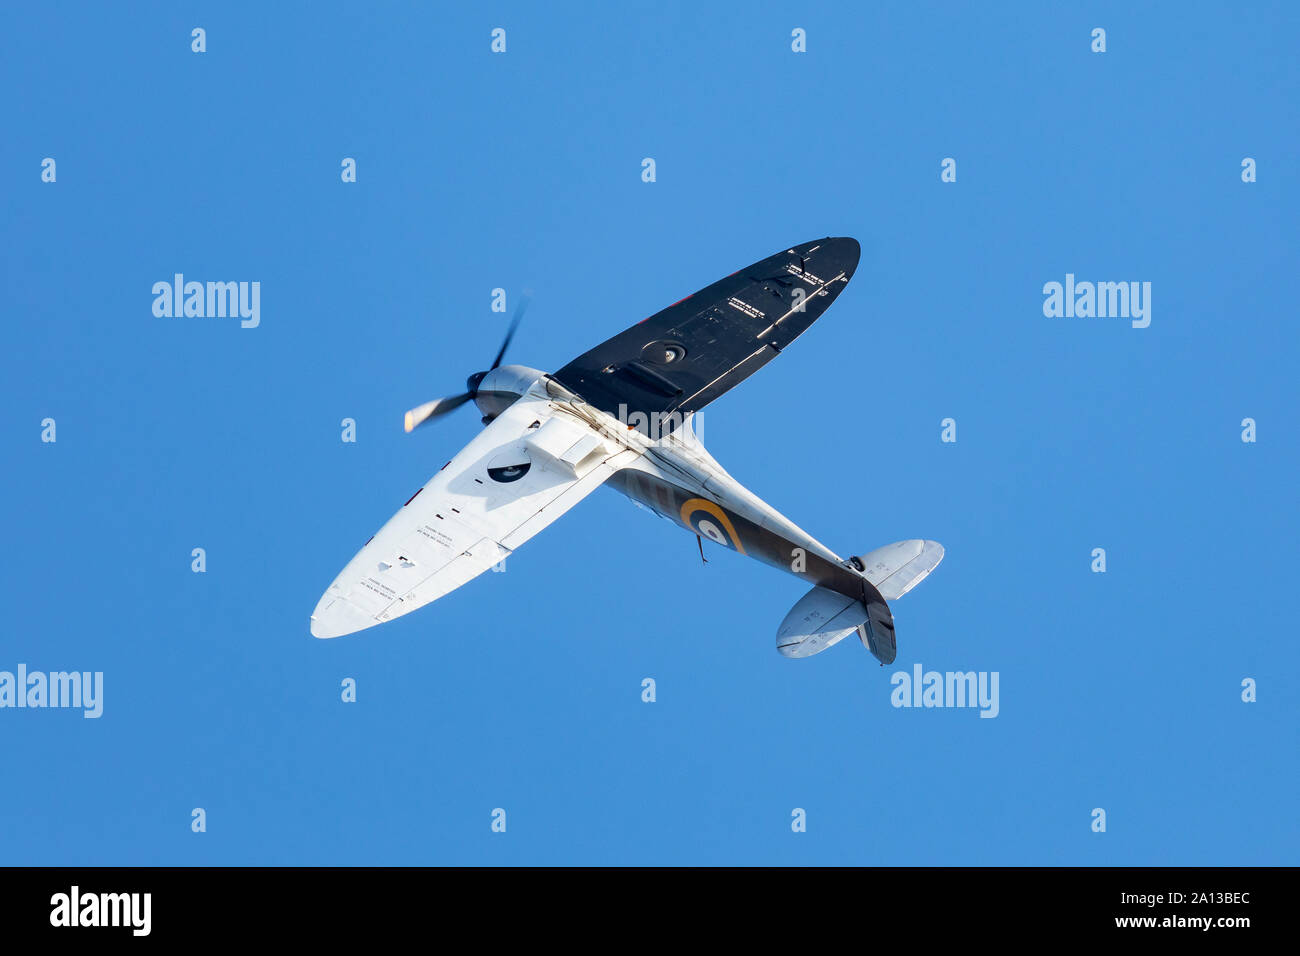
(695, 505)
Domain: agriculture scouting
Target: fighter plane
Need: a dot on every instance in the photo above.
(621, 414)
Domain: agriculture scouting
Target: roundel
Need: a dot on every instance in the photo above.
(709, 521)
(509, 466)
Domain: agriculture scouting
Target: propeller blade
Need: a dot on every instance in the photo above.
(435, 409)
(514, 324)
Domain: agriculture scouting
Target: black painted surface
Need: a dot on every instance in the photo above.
(684, 357)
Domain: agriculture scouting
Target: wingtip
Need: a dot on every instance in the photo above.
(336, 617)
(321, 631)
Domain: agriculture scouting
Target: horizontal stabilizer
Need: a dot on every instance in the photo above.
(897, 568)
(821, 619)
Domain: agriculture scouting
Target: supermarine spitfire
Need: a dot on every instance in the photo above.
(620, 415)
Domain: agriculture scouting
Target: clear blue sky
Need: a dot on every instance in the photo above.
(522, 690)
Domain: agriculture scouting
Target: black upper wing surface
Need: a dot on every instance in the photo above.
(684, 357)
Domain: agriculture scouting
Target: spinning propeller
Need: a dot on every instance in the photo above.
(441, 406)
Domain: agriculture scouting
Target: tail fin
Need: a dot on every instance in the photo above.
(877, 633)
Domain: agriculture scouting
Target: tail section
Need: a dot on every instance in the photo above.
(897, 568)
(823, 617)
(877, 633)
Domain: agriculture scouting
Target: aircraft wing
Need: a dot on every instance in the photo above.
(684, 357)
(534, 462)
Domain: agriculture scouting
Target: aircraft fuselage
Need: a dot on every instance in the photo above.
(678, 479)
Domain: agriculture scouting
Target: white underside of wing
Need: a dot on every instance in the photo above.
(529, 466)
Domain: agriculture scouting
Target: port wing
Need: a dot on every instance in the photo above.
(533, 463)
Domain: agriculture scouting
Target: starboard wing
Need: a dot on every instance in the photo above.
(530, 465)
(684, 357)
